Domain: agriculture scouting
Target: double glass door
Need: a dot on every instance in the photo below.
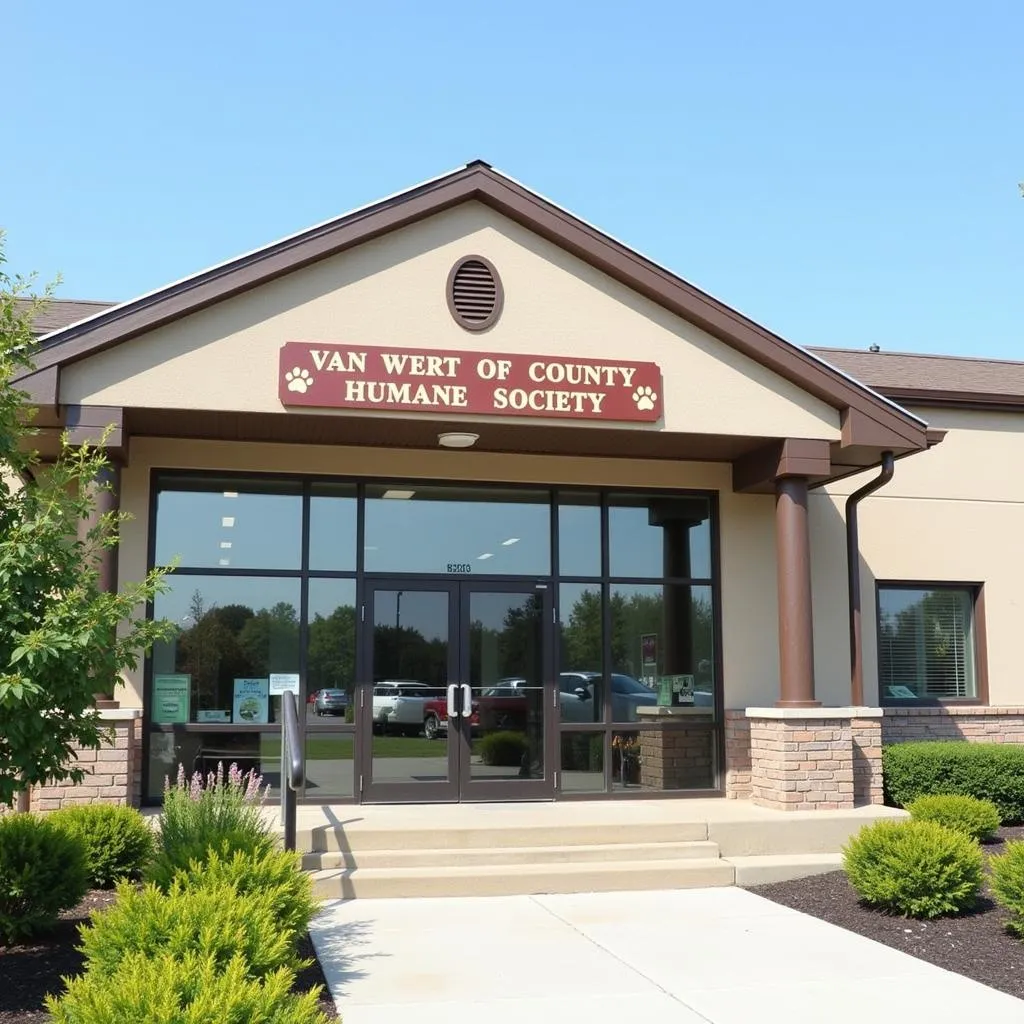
(458, 702)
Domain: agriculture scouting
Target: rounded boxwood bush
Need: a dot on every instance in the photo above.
(215, 921)
(118, 841)
(1008, 884)
(988, 771)
(914, 868)
(976, 818)
(192, 989)
(42, 873)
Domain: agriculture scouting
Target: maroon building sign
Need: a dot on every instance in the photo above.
(479, 383)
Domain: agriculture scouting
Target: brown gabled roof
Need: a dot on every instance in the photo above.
(60, 313)
(932, 379)
(868, 418)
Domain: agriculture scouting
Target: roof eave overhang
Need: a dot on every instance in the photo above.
(864, 412)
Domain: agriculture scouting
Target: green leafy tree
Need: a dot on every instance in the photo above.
(62, 639)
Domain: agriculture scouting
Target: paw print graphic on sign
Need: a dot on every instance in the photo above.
(299, 380)
(645, 398)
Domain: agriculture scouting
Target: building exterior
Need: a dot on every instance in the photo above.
(520, 515)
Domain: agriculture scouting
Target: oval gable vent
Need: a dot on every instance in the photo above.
(474, 293)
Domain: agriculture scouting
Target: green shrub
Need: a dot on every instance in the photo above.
(914, 868)
(503, 749)
(276, 873)
(118, 841)
(189, 990)
(976, 818)
(988, 771)
(214, 921)
(220, 812)
(42, 873)
(1008, 884)
(582, 752)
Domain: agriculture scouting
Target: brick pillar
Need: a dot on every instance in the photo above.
(111, 773)
(805, 758)
(867, 760)
(737, 755)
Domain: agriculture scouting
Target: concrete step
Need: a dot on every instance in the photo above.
(783, 867)
(794, 832)
(562, 854)
(324, 839)
(522, 879)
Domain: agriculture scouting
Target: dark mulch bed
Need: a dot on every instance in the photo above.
(30, 972)
(975, 945)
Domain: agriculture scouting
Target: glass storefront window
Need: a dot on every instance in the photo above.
(332, 527)
(204, 751)
(579, 534)
(331, 650)
(581, 652)
(208, 523)
(659, 536)
(662, 647)
(330, 766)
(583, 762)
(232, 634)
(415, 528)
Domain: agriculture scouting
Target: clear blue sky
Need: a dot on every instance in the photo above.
(845, 174)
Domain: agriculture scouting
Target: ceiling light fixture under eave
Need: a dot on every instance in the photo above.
(457, 439)
(397, 494)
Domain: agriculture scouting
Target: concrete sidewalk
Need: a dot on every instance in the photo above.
(696, 956)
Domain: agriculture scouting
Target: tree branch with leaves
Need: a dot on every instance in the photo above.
(62, 638)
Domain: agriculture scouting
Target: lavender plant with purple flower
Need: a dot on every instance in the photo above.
(221, 811)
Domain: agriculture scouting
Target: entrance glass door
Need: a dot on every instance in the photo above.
(457, 702)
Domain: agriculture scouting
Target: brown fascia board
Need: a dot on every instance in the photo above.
(757, 471)
(479, 182)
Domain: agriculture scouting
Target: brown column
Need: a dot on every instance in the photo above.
(793, 553)
(107, 494)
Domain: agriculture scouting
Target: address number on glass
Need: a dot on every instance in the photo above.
(460, 568)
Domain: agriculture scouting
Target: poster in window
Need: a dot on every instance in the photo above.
(251, 701)
(170, 699)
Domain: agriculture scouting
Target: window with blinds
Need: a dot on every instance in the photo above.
(926, 642)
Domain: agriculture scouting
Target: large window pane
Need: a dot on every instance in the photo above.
(229, 524)
(652, 536)
(331, 654)
(926, 643)
(581, 652)
(662, 648)
(330, 769)
(582, 762)
(332, 527)
(579, 534)
(232, 634)
(204, 751)
(463, 531)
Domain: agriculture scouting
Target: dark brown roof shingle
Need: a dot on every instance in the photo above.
(60, 313)
(908, 376)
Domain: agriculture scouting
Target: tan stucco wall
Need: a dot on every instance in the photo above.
(749, 610)
(951, 514)
(390, 292)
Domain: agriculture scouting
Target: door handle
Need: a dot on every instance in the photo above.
(452, 713)
(467, 700)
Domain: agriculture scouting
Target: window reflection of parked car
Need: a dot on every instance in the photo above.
(399, 705)
(579, 689)
(435, 718)
(330, 702)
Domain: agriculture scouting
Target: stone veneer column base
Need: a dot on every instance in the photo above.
(113, 774)
(815, 758)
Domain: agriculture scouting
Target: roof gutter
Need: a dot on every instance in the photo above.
(853, 574)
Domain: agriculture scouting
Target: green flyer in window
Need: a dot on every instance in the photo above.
(171, 699)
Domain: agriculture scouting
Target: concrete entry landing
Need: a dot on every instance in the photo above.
(530, 848)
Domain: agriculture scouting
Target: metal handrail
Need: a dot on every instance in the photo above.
(293, 771)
